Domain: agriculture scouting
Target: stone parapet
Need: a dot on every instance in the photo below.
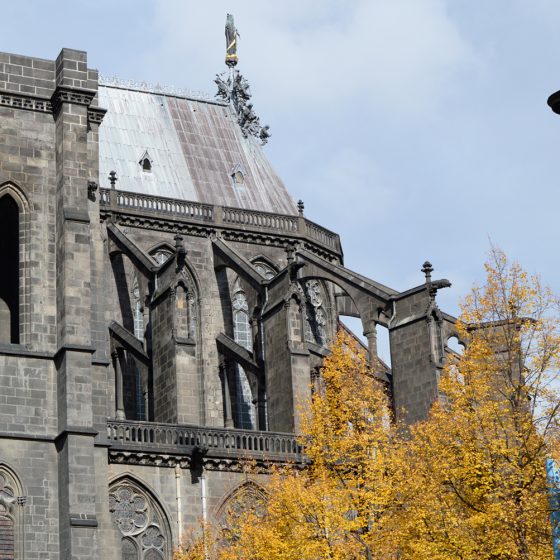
(133, 207)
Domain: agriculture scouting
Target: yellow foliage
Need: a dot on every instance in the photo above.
(467, 483)
(472, 476)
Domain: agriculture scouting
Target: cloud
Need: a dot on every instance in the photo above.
(398, 54)
(336, 186)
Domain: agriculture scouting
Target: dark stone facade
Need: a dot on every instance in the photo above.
(160, 343)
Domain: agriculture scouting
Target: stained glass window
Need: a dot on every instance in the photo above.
(244, 410)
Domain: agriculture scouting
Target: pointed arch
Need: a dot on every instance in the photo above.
(14, 248)
(187, 305)
(265, 267)
(161, 252)
(246, 496)
(142, 520)
(12, 500)
(244, 410)
(17, 193)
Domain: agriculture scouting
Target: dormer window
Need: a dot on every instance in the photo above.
(238, 174)
(146, 162)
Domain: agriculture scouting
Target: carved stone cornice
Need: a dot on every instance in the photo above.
(95, 115)
(155, 224)
(51, 105)
(234, 464)
(199, 230)
(27, 102)
(148, 459)
(77, 96)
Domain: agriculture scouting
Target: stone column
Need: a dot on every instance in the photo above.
(226, 395)
(370, 332)
(119, 385)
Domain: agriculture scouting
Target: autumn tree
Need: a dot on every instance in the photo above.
(467, 483)
(336, 504)
(472, 476)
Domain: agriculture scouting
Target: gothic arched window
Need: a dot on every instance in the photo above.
(265, 270)
(144, 529)
(137, 311)
(161, 255)
(138, 384)
(9, 279)
(249, 497)
(11, 518)
(185, 318)
(244, 410)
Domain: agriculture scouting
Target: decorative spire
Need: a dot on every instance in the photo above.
(300, 207)
(113, 178)
(233, 88)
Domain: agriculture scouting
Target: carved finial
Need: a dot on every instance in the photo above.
(231, 42)
(113, 178)
(427, 269)
(300, 207)
(21, 500)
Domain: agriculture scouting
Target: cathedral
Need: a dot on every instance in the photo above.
(165, 306)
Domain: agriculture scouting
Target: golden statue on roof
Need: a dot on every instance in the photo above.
(231, 42)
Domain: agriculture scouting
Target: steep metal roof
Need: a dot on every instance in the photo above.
(194, 146)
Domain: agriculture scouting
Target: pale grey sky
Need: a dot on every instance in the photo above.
(416, 129)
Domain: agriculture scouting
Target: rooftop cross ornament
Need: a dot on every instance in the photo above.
(231, 42)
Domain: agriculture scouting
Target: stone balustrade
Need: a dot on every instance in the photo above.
(153, 437)
(279, 222)
(221, 216)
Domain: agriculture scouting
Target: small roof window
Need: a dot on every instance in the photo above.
(146, 162)
(238, 174)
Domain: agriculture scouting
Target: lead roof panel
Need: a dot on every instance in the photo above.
(194, 147)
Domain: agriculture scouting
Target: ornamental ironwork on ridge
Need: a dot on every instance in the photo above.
(233, 88)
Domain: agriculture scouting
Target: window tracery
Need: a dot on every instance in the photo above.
(11, 522)
(185, 310)
(140, 522)
(265, 270)
(140, 391)
(247, 497)
(161, 256)
(245, 416)
(137, 311)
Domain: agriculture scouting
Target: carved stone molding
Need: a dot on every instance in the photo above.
(52, 105)
(95, 115)
(235, 464)
(64, 94)
(171, 226)
(22, 101)
(149, 459)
